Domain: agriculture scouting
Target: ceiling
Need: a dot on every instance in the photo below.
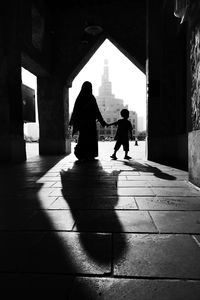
(123, 22)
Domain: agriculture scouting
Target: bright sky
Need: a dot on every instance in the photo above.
(128, 82)
(29, 79)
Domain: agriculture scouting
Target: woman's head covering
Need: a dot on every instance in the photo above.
(85, 109)
(86, 88)
(84, 95)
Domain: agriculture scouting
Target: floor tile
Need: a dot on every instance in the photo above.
(129, 289)
(13, 245)
(113, 221)
(177, 221)
(93, 232)
(175, 192)
(8, 252)
(150, 255)
(14, 219)
(51, 220)
(114, 203)
(128, 173)
(36, 286)
(48, 179)
(168, 203)
(135, 191)
(169, 183)
(197, 239)
(84, 192)
(132, 183)
(71, 203)
(69, 253)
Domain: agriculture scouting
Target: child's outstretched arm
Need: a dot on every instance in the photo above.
(114, 123)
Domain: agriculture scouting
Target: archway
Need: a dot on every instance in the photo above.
(127, 83)
(30, 113)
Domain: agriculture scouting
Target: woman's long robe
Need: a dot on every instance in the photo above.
(84, 117)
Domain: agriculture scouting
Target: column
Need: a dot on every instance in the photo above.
(166, 85)
(12, 145)
(53, 112)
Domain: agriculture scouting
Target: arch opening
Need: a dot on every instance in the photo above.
(30, 113)
(127, 89)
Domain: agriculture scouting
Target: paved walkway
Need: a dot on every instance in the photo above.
(99, 230)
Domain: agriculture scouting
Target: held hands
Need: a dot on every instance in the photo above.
(106, 124)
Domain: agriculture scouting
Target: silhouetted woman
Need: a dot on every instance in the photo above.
(84, 116)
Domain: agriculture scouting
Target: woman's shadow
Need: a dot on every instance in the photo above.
(91, 195)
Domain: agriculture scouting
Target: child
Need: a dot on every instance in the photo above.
(124, 132)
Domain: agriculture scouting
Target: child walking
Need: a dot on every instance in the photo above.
(123, 134)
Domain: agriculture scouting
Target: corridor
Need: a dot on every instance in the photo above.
(104, 229)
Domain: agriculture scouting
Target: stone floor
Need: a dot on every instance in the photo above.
(107, 229)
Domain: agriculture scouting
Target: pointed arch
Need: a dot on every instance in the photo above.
(92, 51)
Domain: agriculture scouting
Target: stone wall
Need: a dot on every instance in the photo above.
(195, 78)
(194, 93)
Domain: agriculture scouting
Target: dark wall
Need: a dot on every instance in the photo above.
(167, 85)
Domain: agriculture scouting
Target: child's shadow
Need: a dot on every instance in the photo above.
(146, 168)
(91, 195)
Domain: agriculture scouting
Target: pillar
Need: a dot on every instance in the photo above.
(53, 113)
(166, 86)
(12, 145)
(194, 92)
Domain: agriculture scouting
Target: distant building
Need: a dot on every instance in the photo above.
(28, 99)
(110, 108)
(141, 123)
(31, 125)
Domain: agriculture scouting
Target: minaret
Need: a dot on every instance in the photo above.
(106, 86)
(105, 77)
